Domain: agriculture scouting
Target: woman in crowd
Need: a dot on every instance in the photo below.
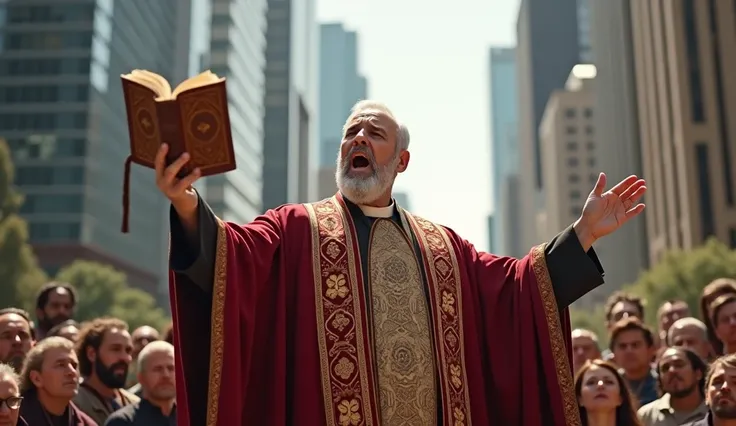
(603, 397)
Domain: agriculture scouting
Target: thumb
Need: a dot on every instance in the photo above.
(600, 185)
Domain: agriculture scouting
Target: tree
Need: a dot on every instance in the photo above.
(104, 291)
(683, 275)
(20, 275)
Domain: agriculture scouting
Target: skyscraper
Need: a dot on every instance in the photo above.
(504, 143)
(686, 96)
(290, 102)
(549, 45)
(341, 86)
(62, 112)
(237, 51)
(617, 131)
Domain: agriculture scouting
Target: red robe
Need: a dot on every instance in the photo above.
(278, 327)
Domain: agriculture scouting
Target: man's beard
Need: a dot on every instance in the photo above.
(682, 393)
(47, 323)
(15, 361)
(364, 190)
(107, 374)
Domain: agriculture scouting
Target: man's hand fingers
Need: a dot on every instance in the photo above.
(160, 161)
(187, 181)
(632, 189)
(175, 167)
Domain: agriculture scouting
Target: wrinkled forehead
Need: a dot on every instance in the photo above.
(374, 117)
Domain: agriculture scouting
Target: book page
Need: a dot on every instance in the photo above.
(151, 80)
(204, 79)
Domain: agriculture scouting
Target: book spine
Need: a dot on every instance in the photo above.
(171, 129)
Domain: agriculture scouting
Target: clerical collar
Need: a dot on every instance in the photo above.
(380, 212)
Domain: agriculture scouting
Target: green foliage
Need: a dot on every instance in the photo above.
(105, 292)
(19, 271)
(591, 319)
(683, 275)
(680, 275)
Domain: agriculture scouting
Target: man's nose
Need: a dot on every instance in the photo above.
(360, 138)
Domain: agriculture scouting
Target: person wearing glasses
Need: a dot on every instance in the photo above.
(10, 398)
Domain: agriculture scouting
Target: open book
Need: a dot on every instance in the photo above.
(192, 118)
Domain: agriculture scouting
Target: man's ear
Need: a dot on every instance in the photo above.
(404, 158)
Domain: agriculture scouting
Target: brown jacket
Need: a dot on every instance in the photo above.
(92, 404)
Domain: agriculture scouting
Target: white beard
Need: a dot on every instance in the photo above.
(365, 190)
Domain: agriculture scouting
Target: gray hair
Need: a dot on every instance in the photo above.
(37, 354)
(402, 132)
(687, 322)
(156, 346)
(8, 372)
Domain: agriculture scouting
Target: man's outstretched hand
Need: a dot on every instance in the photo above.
(604, 212)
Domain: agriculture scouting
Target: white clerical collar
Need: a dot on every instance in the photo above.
(381, 212)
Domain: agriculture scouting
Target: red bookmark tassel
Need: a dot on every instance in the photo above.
(126, 195)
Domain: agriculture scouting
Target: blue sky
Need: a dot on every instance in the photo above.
(428, 60)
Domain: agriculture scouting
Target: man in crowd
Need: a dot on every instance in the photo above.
(55, 304)
(141, 336)
(632, 344)
(157, 379)
(15, 336)
(68, 329)
(690, 333)
(10, 399)
(720, 384)
(620, 305)
(368, 314)
(681, 378)
(667, 314)
(104, 351)
(49, 382)
(723, 316)
(585, 347)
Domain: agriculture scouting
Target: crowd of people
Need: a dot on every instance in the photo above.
(55, 371)
(684, 373)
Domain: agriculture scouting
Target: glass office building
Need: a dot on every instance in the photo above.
(62, 112)
(237, 52)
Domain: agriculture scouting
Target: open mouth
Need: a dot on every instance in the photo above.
(359, 161)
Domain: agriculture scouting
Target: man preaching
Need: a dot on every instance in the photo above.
(352, 311)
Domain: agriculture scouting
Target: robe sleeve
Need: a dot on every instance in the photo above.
(526, 332)
(195, 261)
(574, 272)
(214, 290)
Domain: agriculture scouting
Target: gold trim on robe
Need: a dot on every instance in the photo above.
(217, 329)
(557, 341)
(443, 276)
(346, 366)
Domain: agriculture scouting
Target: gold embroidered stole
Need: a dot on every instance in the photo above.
(347, 357)
(401, 329)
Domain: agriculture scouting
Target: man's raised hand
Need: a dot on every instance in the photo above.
(178, 191)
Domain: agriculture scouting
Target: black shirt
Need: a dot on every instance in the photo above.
(142, 413)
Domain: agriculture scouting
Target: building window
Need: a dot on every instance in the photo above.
(573, 178)
(706, 206)
(588, 112)
(590, 145)
(591, 162)
(574, 194)
(575, 211)
(571, 130)
(572, 146)
(573, 161)
(697, 108)
(570, 113)
(589, 130)
(47, 232)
